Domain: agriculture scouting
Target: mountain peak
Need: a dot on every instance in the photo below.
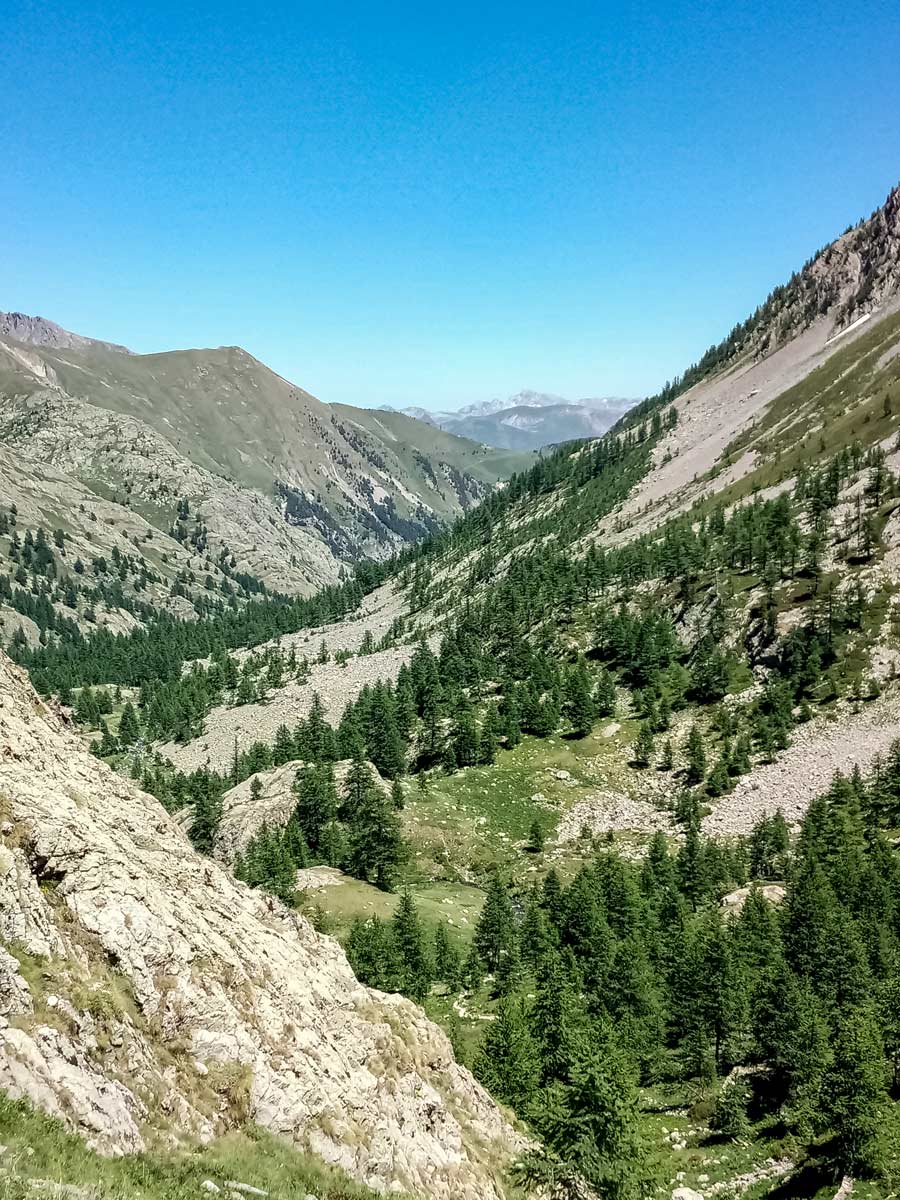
(38, 331)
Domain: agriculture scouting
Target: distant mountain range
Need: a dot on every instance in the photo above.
(529, 419)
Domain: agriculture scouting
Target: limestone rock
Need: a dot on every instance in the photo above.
(243, 816)
(735, 901)
(179, 963)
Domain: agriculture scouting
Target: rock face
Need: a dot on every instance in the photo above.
(243, 816)
(144, 992)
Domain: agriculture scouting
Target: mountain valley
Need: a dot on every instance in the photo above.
(478, 823)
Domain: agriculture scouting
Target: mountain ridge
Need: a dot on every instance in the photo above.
(212, 446)
(39, 331)
(529, 420)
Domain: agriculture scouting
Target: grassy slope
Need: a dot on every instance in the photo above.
(37, 1148)
(229, 413)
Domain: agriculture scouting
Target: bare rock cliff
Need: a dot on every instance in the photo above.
(144, 993)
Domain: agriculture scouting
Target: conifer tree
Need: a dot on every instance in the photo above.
(129, 727)
(316, 801)
(579, 704)
(643, 746)
(375, 847)
(489, 736)
(447, 965)
(555, 1016)
(695, 753)
(372, 954)
(854, 1092)
(534, 936)
(535, 842)
(508, 1063)
(409, 941)
(495, 932)
(591, 1129)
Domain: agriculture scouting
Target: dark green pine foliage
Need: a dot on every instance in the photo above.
(416, 967)
(316, 802)
(375, 846)
(590, 1128)
(579, 708)
(270, 861)
(495, 933)
(508, 1063)
(373, 955)
(447, 963)
(695, 754)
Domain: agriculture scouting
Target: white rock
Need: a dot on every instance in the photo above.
(208, 1186)
(686, 1193)
(221, 975)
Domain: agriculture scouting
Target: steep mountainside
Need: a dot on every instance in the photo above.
(145, 995)
(213, 450)
(529, 420)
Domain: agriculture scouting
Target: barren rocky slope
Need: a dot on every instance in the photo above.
(144, 993)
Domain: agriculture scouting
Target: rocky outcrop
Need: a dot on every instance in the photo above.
(145, 993)
(244, 814)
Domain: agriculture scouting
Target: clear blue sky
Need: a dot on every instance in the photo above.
(436, 203)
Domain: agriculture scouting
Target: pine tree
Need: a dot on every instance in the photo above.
(398, 798)
(415, 962)
(129, 727)
(555, 1017)
(690, 865)
(489, 736)
(730, 1114)
(535, 842)
(695, 753)
(375, 847)
(591, 1130)
(447, 965)
(579, 704)
(534, 936)
(316, 801)
(372, 954)
(643, 746)
(719, 781)
(854, 1092)
(495, 931)
(667, 758)
(508, 1063)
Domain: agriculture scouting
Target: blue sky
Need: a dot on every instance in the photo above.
(434, 204)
